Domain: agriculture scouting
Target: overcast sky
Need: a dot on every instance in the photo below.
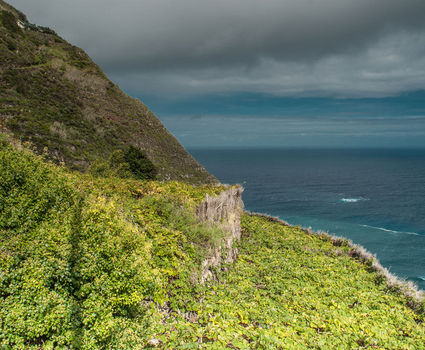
(192, 50)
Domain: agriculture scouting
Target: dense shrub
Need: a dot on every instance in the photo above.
(9, 21)
(83, 261)
(139, 164)
(47, 30)
(36, 223)
(129, 164)
(11, 45)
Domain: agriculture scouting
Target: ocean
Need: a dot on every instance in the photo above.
(374, 197)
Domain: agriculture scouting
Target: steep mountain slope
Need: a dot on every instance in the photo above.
(55, 97)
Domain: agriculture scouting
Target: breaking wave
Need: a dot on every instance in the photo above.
(392, 231)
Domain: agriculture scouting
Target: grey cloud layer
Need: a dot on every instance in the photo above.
(328, 47)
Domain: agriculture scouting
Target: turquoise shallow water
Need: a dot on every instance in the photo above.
(374, 197)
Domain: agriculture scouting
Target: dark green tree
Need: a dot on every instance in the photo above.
(140, 165)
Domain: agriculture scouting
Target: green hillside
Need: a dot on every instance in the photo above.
(53, 95)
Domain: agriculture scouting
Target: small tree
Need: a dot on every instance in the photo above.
(139, 164)
(129, 164)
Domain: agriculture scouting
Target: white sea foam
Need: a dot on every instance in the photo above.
(353, 200)
(392, 231)
(422, 278)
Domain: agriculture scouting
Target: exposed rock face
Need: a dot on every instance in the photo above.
(224, 211)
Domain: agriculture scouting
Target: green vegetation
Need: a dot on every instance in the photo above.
(111, 259)
(111, 263)
(9, 21)
(85, 261)
(129, 164)
(139, 164)
(55, 97)
(292, 290)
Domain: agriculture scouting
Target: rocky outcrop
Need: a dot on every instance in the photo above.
(224, 211)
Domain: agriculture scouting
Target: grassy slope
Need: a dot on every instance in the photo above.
(52, 94)
(108, 263)
(292, 290)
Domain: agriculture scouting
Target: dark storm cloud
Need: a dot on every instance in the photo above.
(286, 47)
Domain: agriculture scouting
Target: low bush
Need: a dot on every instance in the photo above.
(9, 21)
(11, 45)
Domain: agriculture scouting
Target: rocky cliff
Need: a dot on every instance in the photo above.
(225, 211)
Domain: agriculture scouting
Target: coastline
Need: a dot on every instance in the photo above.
(307, 188)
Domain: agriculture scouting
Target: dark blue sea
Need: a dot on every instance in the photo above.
(374, 197)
